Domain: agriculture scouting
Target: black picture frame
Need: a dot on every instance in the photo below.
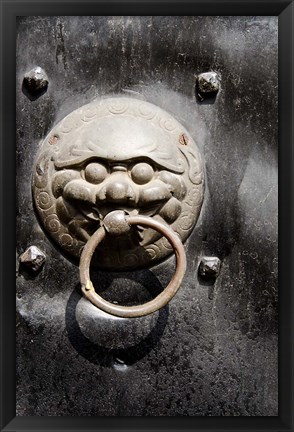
(10, 9)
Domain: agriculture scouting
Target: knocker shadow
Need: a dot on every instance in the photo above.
(106, 356)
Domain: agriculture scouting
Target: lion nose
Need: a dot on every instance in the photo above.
(119, 190)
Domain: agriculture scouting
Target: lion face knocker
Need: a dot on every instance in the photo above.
(118, 154)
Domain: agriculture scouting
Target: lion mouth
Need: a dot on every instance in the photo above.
(95, 214)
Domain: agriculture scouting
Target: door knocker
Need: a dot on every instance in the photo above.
(119, 183)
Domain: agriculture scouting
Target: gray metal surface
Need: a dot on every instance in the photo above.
(213, 350)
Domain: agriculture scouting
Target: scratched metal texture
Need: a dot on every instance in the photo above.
(213, 350)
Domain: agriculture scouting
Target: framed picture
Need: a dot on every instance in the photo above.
(151, 146)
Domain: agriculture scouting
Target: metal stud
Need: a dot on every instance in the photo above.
(33, 258)
(209, 267)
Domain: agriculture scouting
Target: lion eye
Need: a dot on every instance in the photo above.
(142, 173)
(95, 172)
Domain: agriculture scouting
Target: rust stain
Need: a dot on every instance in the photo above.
(53, 139)
(183, 139)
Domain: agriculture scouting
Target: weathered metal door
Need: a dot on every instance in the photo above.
(138, 139)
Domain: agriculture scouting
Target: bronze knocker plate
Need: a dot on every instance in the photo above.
(118, 154)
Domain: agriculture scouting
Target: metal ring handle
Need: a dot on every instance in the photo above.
(147, 308)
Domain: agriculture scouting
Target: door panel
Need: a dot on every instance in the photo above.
(212, 351)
